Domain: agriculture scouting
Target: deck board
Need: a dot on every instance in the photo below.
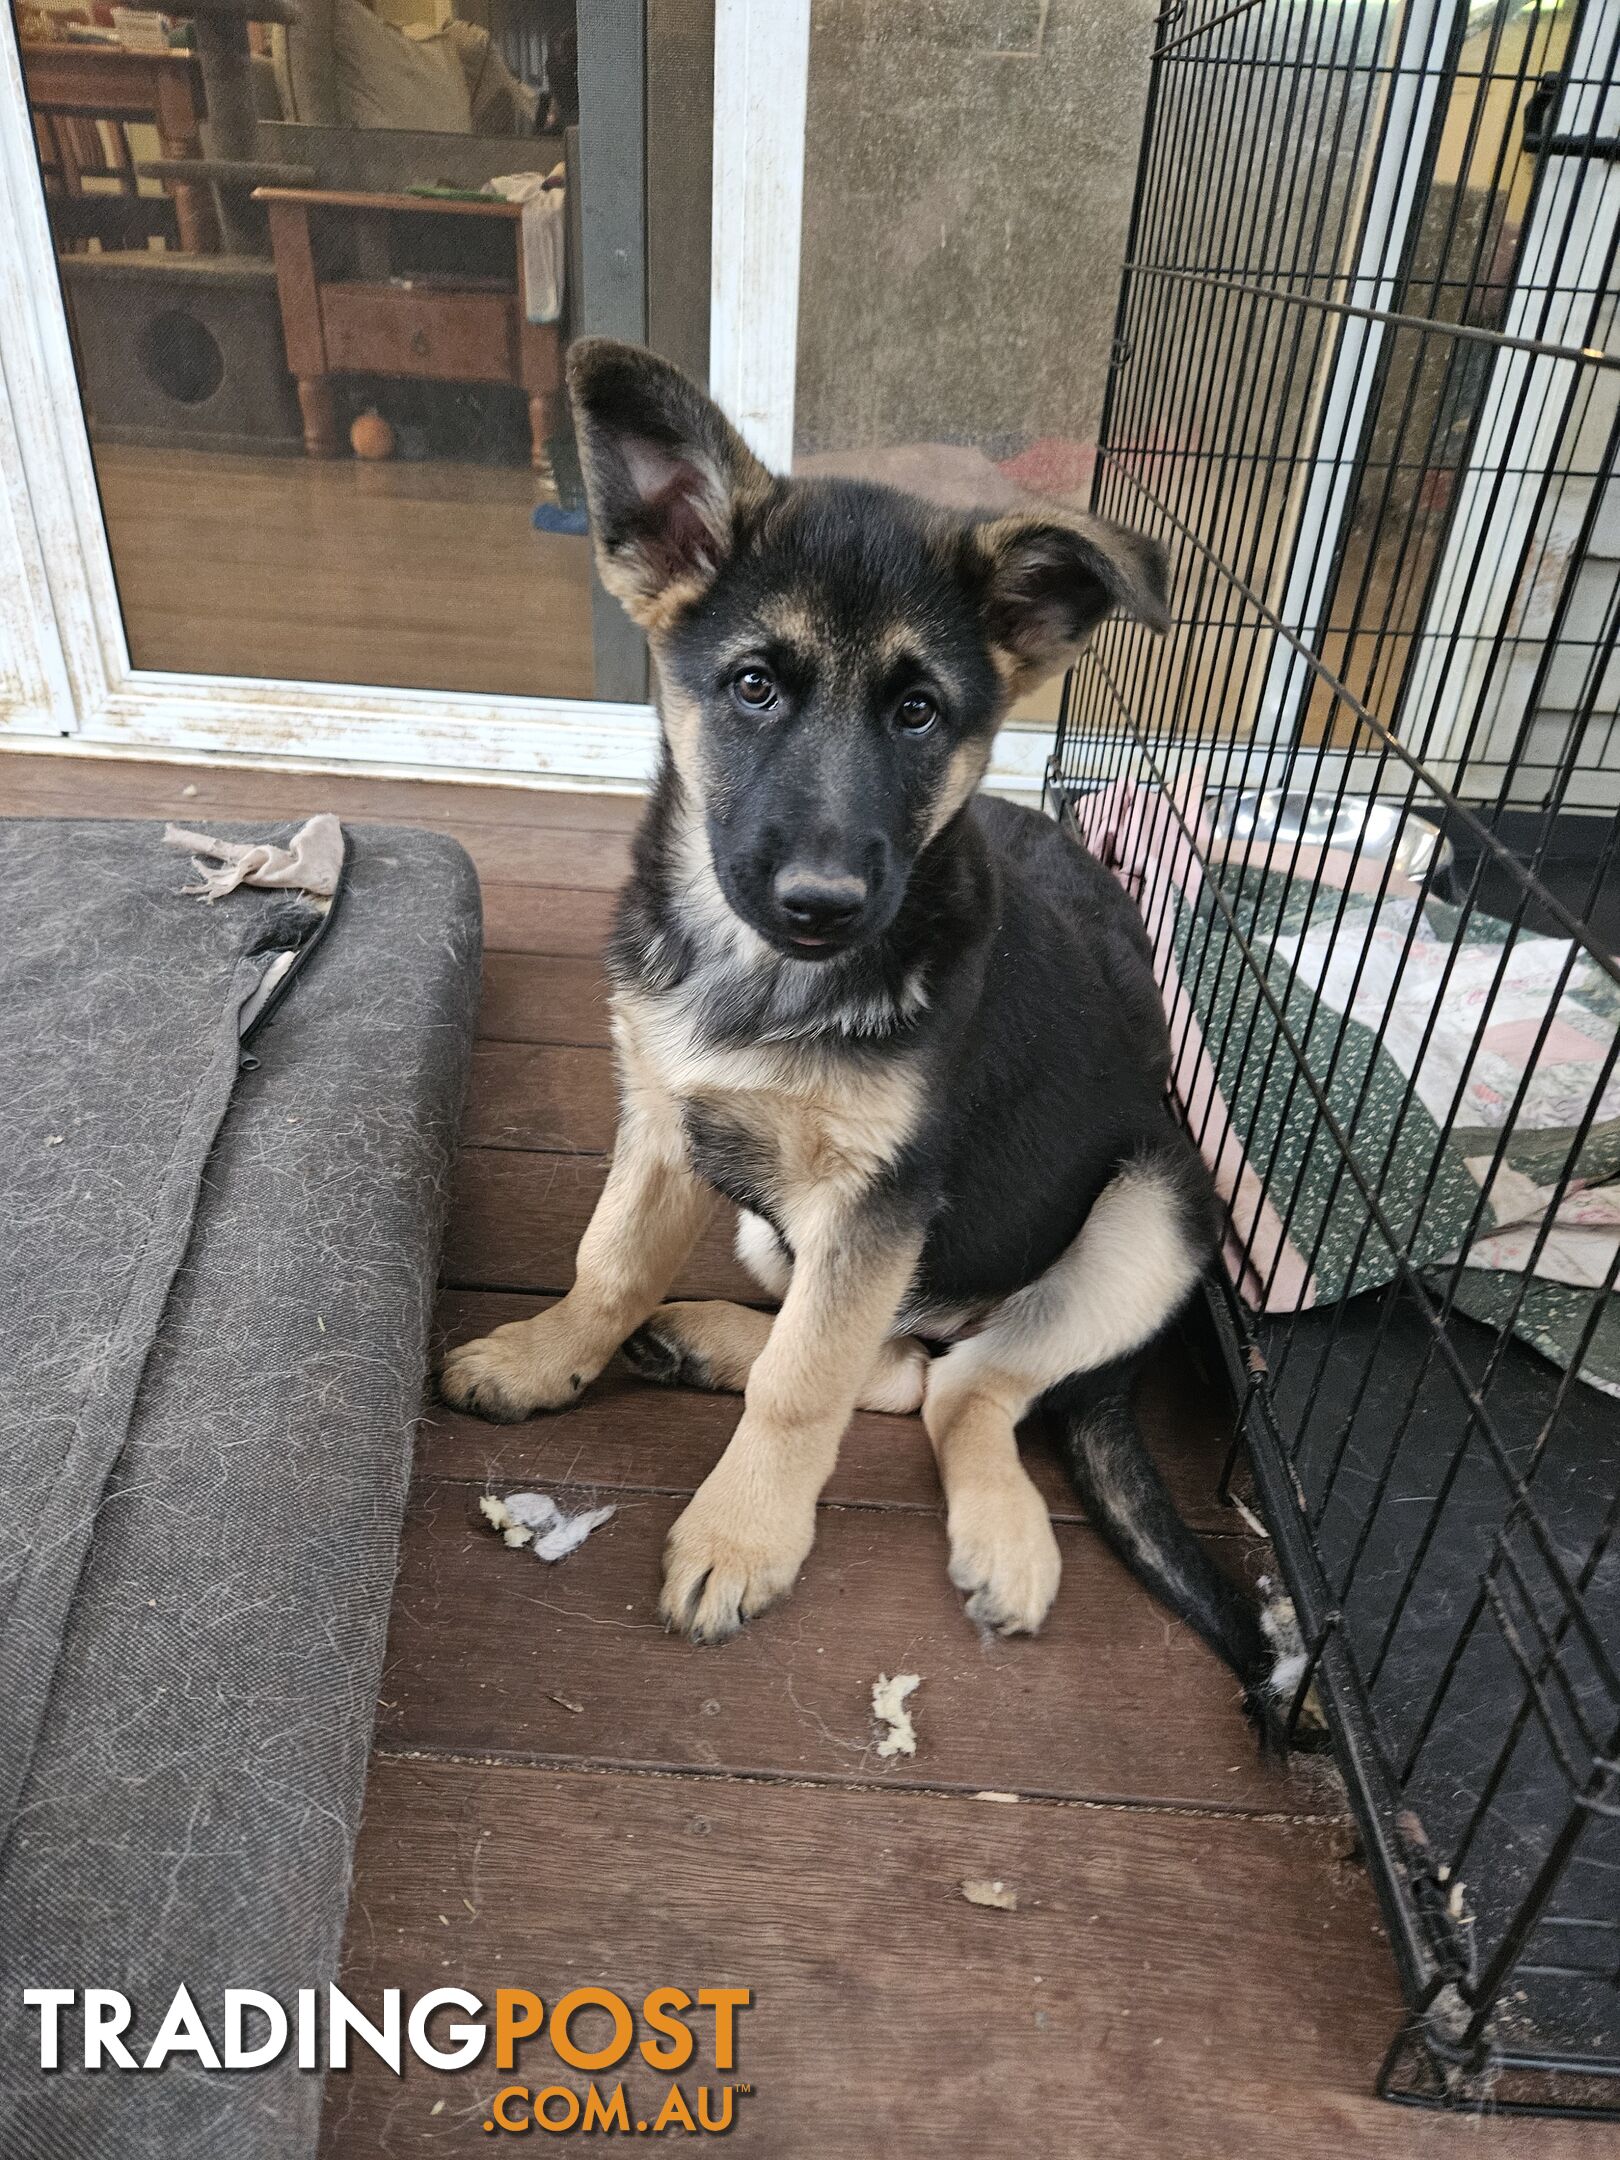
(545, 919)
(1171, 1987)
(516, 1219)
(1110, 1701)
(38, 785)
(555, 1097)
(543, 998)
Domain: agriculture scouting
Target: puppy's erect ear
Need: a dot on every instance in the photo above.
(1052, 577)
(665, 475)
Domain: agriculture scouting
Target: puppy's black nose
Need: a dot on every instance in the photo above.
(817, 903)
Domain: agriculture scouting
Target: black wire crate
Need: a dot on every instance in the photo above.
(1367, 794)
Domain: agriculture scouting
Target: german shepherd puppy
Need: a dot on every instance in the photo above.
(911, 1031)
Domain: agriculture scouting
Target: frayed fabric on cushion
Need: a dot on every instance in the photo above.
(214, 1298)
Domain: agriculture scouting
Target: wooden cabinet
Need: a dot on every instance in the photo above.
(448, 337)
(437, 330)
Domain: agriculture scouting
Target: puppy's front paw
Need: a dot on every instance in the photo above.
(733, 1551)
(526, 1366)
(1004, 1556)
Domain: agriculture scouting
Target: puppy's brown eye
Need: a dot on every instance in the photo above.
(752, 687)
(916, 714)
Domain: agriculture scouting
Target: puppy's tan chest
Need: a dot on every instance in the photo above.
(801, 1120)
(799, 1142)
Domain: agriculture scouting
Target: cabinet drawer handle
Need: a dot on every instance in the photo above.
(419, 343)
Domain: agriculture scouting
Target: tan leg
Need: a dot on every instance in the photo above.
(710, 1344)
(318, 404)
(645, 1224)
(749, 1527)
(1004, 1556)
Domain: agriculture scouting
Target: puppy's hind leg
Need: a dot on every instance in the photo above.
(713, 1345)
(645, 1223)
(1072, 1340)
(1113, 1294)
(1136, 1258)
(710, 1344)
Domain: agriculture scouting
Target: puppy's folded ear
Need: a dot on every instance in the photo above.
(1051, 578)
(665, 477)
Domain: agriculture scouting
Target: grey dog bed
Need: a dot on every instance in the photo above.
(216, 1274)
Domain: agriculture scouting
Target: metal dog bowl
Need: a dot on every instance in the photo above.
(1357, 824)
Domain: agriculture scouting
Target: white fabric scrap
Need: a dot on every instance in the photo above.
(312, 861)
(889, 1708)
(523, 1516)
(997, 1895)
(501, 1520)
(542, 232)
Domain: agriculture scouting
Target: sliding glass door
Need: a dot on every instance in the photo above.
(318, 270)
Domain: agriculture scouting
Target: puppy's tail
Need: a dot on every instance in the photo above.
(1125, 1499)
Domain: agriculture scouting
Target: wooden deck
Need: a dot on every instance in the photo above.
(563, 1795)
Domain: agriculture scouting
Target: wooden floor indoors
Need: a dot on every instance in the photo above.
(561, 1794)
(426, 575)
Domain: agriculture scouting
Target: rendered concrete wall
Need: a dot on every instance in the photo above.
(969, 166)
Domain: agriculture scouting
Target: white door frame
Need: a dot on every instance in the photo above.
(1462, 686)
(761, 83)
(66, 678)
(1391, 199)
